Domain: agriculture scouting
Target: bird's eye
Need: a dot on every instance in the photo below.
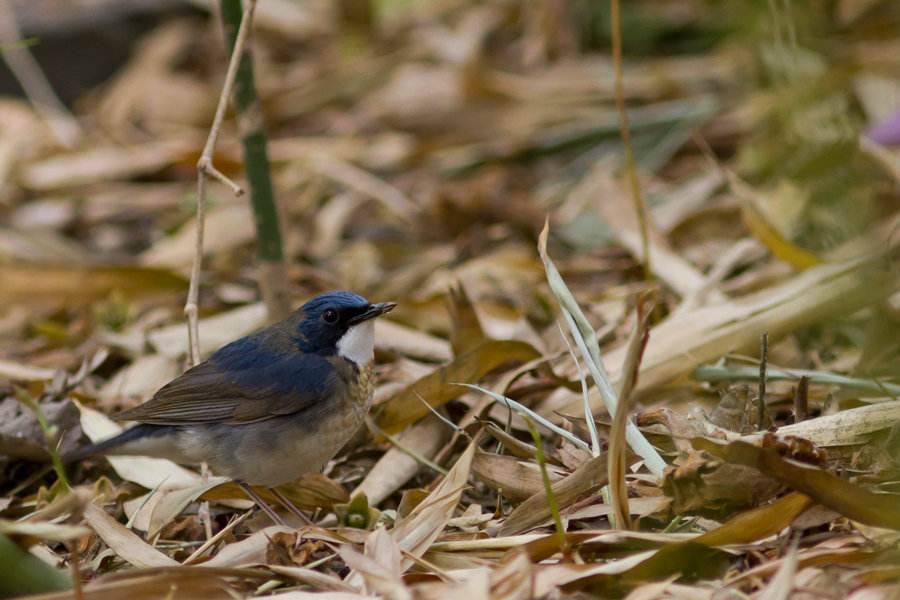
(330, 316)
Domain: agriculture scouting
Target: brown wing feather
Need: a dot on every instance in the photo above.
(206, 394)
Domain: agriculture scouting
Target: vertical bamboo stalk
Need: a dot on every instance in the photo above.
(272, 272)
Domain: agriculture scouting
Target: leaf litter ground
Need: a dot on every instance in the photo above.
(416, 162)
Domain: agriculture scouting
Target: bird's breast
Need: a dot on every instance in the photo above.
(362, 389)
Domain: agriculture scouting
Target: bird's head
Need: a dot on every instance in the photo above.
(341, 323)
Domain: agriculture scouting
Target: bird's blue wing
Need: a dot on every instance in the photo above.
(246, 381)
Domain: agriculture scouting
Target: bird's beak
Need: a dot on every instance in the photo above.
(374, 310)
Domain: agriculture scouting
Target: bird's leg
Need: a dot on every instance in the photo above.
(285, 502)
(261, 503)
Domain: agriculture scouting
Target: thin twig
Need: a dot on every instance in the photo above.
(34, 83)
(203, 511)
(624, 130)
(199, 552)
(206, 169)
(456, 428)
(75, 568)
(761, 400)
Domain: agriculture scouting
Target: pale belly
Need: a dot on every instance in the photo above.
(273, 452)
(281, 449)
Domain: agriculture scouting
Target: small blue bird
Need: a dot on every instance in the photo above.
(269, 407)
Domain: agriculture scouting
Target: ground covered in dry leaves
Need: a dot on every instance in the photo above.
(416, 161)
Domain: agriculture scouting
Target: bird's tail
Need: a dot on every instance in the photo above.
(129, 435)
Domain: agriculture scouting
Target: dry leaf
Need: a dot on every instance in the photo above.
(415, 533)
(852, 501)
(586, 479)
(437, 388)
(128, 546)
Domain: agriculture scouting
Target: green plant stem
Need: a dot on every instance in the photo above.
(725, 373)
(51, 438)
(548, 487)
(272, 272)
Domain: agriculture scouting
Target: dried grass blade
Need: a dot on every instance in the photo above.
(588, 415)
(586, 340)
(782, 584)
(415, 533)
(618, 489)
(526, 412)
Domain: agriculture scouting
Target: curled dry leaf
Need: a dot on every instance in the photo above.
(703, 485)
(249, 551)
(852, 501)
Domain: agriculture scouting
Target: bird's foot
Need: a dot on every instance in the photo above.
(276, 518)
(292, 508)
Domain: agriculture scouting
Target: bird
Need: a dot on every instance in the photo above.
(266, 408)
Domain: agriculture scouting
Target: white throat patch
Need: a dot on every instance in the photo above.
(358, 344)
